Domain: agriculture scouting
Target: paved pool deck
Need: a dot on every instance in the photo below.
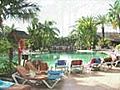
(92, 80)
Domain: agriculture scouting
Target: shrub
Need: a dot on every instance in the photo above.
(117, 47)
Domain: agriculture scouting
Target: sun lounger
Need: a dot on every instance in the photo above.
(61, 65)
(27, 76)
(76, 65)
(107, 64)
(95, 64)
(117, 63)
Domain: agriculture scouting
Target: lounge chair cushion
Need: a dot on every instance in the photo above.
(98, 60)
(55, 72)
(76, 62)
(5, 84)
(54, 77)
(92, 61)
(108, 59)
(61, 62)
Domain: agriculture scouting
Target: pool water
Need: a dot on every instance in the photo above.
(51, 58)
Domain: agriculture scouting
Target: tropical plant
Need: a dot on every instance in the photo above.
(101, 20)
(64, 41)
(117, 47)
(42, 34)
(7, 44)
(6, 67)
(106, 44)
(114, 14)
(50, 33)
(4, 46)
(10, 37)
(85, 33)
(20, 9)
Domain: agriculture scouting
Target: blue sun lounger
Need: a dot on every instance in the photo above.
(61, 65)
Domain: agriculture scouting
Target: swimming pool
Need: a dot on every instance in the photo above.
(51, 58)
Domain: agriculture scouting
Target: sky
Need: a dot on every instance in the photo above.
(66, 12)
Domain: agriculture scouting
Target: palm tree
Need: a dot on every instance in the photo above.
(42, 34)
(17, 9)
(114, 14)
(35, 30)
(20, 9)
(7, 37)
(101, 19)
(85, 32)
(51, 33)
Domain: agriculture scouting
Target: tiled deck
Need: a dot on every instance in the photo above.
(94, 80)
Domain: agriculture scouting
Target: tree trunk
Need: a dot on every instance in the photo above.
(103, 33)
(10, 56)
(1, 22)
(118, 17)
